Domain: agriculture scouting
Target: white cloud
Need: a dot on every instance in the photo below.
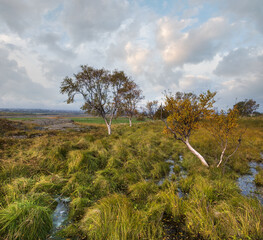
(196, 45)
(136, 57)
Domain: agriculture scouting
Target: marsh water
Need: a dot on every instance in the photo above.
(60, 217)
(182, 172)
(247, 185)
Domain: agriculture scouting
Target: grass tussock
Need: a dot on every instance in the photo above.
(115, 218)
(25, 220)
(259, 178)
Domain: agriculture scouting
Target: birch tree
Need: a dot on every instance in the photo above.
(186, 111)
(224, 127)
(101, 91)
(130, 98)
(151, 108)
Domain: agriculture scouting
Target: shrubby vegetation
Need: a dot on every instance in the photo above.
(112, 182)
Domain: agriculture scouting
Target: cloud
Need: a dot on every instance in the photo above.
(17, 89)
(136, 57)
(182, 46)
(87, 20)
(248, 10)
(20, 16)
(240, 62)
(54, 45)
(196, 45)
(241, 74)
(251, 10)
(56, 71)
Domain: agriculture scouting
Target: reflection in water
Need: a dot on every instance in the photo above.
(171, 172)
(247, 184)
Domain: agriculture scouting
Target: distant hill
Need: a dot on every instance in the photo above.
(25, 111)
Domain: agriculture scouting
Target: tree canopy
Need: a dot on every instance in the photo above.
(130, 99)
(151, 108)
(185, 113)
(246, 107)
(102, 91)
(224, 128)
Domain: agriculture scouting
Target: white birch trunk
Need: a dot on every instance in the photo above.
(196, 153)
(130, 121)
(222, 155)
(109, 129)
(108, 126)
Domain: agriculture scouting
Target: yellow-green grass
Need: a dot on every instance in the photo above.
(112, 183)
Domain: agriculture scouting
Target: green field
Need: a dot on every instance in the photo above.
(98, 120)
(22, 118)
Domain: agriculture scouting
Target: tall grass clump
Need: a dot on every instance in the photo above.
(141, 190)
(25, 220)
(239, 218)
(112, 218)
(199, 219)
(49, 184)
(259, 178)
(169, 198)
(79, 160)
(17, 188)
(116, 218)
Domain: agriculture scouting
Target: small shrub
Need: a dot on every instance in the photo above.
(140, 117)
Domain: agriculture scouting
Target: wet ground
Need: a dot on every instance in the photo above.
(247, 185)
(60, 217)
(174, 230)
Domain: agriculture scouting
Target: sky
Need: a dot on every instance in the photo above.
(174, 45)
